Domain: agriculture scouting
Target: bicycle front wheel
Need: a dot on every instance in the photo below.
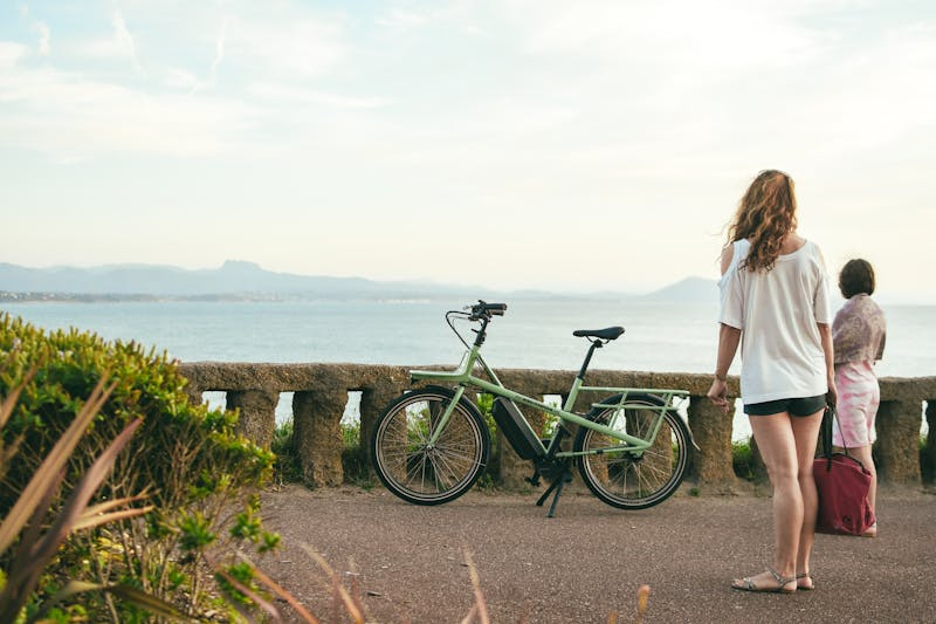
(628, 479)
(420, 470)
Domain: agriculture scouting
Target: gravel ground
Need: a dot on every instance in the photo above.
(587, 563)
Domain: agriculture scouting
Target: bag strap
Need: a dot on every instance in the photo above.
(825, 433)
(838, 421)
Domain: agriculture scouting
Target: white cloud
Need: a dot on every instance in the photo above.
(219, 53)
(406, 19)
(73, 117)
(297, 46)
(181, 79)
(284, 94)
(124, 41)
(10, 55)
(45, 37)
(726, 35)
(119, 46)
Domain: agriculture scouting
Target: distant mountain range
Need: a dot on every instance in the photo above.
(238, 280)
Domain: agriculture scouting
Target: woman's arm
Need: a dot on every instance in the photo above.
(825, 335)
(728, 339)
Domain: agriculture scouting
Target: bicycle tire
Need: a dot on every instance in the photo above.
(423, 474)
(629, 480)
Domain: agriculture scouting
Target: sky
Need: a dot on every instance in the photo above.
(571, 146)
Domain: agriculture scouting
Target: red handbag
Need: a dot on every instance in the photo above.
(843, 484)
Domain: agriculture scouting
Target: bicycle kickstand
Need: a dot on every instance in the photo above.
(564, 476)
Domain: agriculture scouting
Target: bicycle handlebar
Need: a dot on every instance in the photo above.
(483, 309)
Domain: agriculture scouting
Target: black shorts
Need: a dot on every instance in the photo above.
(793, 407)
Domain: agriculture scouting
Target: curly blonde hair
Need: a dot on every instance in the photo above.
(766, 214)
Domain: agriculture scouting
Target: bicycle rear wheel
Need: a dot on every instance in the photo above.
(626, 479)
(424, 473)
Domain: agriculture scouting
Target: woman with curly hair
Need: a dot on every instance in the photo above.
(775, 304)
(858, 333)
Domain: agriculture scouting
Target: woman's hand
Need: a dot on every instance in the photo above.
(832, 394)
(718, 394)
(728, 340)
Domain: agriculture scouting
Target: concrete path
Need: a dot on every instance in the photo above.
(588, 562)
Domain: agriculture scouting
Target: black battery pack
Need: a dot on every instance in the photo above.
(516, 429)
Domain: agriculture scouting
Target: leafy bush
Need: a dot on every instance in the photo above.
(927, 460)
(743, 461)
(287, 468)
(354, 464)
(38, 535)
(195, 470)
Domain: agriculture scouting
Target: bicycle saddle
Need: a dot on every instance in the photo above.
(608, 333)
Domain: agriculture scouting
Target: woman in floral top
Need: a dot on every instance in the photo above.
(858, 334)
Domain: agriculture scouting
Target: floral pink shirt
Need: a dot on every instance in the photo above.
(859, 331)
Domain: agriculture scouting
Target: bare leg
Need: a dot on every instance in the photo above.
(776, 442)
(805, 434)
(863, 454)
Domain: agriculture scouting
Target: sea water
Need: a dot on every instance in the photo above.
(659, 336)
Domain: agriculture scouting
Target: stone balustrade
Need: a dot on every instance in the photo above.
(321, 394)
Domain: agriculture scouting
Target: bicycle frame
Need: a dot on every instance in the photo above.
(463, 377)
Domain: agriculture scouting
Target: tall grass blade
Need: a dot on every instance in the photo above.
(152, 604)
(34, 555)
(285, 595)
(84, 490)
(261, 602)
(354, 610)
(480, 603)
(7, 405)
(48, 474)
(89, 521)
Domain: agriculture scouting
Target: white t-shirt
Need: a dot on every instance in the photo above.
(777, 312)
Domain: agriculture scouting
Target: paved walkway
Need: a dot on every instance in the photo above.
(588, 561)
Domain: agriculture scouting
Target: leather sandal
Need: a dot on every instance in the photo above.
(805, 575)
(871, 531)
(747, 584)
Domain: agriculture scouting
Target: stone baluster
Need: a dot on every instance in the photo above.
(711, 430)
(898, 442)
(374, 399)
(317, 435)
(257, 409)
(194, 393)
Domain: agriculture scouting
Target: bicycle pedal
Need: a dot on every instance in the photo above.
(534, 480)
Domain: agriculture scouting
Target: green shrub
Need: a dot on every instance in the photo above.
(196, 470)
(354, 463)
(927, 459)
(286, 468)
(743, 460)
